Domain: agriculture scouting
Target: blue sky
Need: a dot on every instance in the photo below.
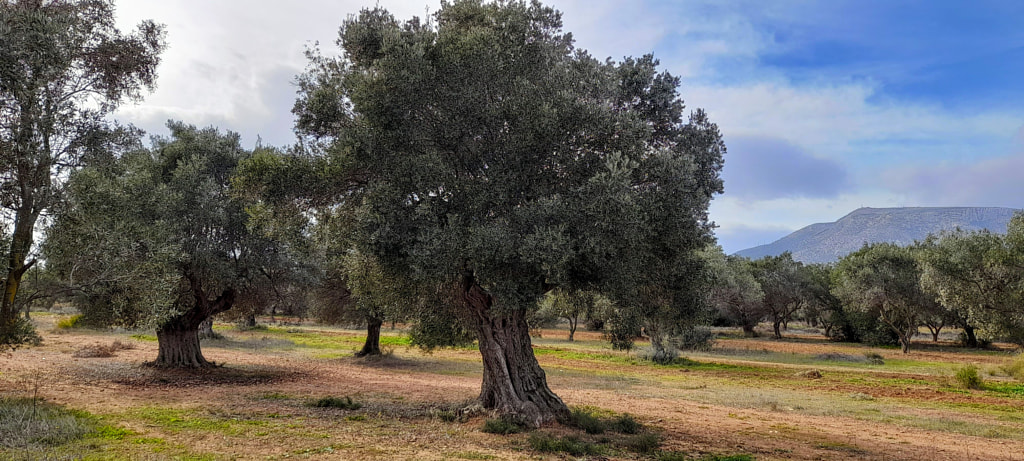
(825, 106)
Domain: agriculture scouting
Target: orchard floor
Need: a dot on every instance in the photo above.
(744, 399)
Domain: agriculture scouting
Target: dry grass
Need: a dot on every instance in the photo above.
(101, 350)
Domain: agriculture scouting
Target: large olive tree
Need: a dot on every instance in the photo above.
(491, 162)
(64, 67)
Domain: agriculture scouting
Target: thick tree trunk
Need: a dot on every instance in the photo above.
(748, 331)
(372, 344)
(514, 385)
(178, 338)
(250, 321)
(971, 340)
(179, 347)
(775, 326)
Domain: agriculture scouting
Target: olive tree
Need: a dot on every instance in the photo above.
(64, 67)
(154, 237)
(488, 161)
(883, 280)
(736, 293)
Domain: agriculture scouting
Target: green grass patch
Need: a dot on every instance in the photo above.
(176, 420)
(34, 424)
(144, 337)
(501, 426)
(1007, 389)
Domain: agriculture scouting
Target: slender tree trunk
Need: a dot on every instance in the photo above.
(372, 344)
(935, 333)
(775, 326)
(178, 338)
(572, 327)
(21, 243)
(905, 343)
(514, 384)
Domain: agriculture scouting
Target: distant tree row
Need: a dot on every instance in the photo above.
(883, 293)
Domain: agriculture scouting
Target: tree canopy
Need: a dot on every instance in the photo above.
(487, 159)
(155, 238)
(64, 67)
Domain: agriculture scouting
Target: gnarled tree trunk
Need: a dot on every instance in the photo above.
(21, 243)
(372, 344)
(178, 338)
(514, 384)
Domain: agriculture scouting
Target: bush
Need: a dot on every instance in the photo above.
(643, 443)
(67, 323)
(345, 403)
(501, 426)
(696, 339)
(968, 377)
(625, 424)
(584, 418)
(874, 358)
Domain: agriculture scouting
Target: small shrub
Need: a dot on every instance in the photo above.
(874, 358)
(625, 424)
(67, 323)
(968, 377)
(663, 356)
(501, 426)
(345, 403)
(546, 443)
(585, 419)
(696, 339)
(643, 443)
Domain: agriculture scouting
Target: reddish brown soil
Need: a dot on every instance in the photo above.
(403, 388)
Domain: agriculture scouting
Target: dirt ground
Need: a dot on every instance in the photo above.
(400, 392)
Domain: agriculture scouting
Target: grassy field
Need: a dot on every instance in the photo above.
(295, 392)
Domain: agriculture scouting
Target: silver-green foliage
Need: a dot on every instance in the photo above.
(148, 232)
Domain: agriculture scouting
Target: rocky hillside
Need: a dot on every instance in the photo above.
(827, 242)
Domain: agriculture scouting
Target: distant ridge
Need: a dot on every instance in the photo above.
(828, 242)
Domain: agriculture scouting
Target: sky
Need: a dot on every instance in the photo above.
(825, 106)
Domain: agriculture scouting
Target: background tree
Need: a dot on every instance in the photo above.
(977, 277)
(736, 293)
(821, 308)
(155, 238)
(570, 306)
(883, 280)
(63, 68)
(498, 163)
(784, 284)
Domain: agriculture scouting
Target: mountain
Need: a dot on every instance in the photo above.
(827, 242)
